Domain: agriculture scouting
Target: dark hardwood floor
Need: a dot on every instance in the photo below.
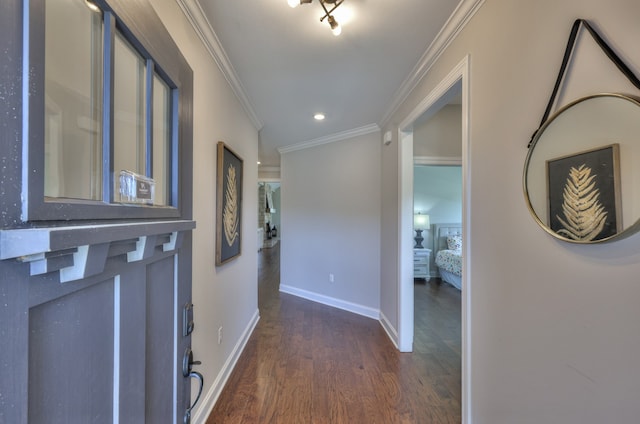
(310, 363)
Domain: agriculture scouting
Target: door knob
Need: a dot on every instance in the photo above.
(188, 362)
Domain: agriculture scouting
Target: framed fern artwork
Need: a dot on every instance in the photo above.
(584, 194)
(228, 204)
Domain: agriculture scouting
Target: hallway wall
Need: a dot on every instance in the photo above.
(331, 212)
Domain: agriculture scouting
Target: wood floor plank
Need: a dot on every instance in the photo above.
(310, 363)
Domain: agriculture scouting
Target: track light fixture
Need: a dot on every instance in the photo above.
(331, 20)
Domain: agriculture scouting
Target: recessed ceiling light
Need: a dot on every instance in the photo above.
(318, 116)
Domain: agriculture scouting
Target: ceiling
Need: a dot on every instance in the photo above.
(285, 65)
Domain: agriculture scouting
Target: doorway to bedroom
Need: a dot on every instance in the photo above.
(453, 89)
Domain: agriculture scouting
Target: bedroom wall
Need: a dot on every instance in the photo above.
(224, 296)
(437, 192)
(553, 326)
(330, 197)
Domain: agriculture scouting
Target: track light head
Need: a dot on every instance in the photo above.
(335, 26)
(296, 3)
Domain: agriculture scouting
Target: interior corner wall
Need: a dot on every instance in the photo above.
(553, 325)
(224, 296)
(330, 197)
(389, 244)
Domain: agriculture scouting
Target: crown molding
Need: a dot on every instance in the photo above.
(454, 25)
(269, 180)
(203, 28)
(269, 168)
(437, 160)
(332, 138)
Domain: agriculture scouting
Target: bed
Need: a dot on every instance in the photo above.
(448, 252)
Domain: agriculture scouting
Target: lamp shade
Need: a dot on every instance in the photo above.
(420, 221)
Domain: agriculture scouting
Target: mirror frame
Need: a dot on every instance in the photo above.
(625, 232)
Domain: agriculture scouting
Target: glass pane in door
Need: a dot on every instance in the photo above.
(73, 101)
(161, 140)
(129, 138)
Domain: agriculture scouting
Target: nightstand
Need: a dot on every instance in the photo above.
(421, 259)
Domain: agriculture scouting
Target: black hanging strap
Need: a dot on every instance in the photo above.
(565, 61)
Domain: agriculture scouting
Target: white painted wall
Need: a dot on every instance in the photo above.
(440, 136)
(553, 325)
(331, 211)
(223, 296)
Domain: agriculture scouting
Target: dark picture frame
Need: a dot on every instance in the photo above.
(584, 194)
(228, 204)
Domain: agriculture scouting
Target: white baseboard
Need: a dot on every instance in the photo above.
(331, 301)
(210, 398)
(389, 329)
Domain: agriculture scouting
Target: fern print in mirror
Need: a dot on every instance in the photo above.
(228, 204)
(584, 194)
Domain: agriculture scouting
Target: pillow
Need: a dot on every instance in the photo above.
(454, 242)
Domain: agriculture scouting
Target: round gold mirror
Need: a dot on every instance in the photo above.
(582, 173)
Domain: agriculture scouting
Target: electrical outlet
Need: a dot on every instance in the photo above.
(220, 335)
(331, 279)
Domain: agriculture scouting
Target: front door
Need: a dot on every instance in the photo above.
(107, 348)
(95, 215)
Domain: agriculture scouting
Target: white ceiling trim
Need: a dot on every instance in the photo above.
(454, 25)
(202, 26)
(269, 168)
(437, 160)
(344, 135)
